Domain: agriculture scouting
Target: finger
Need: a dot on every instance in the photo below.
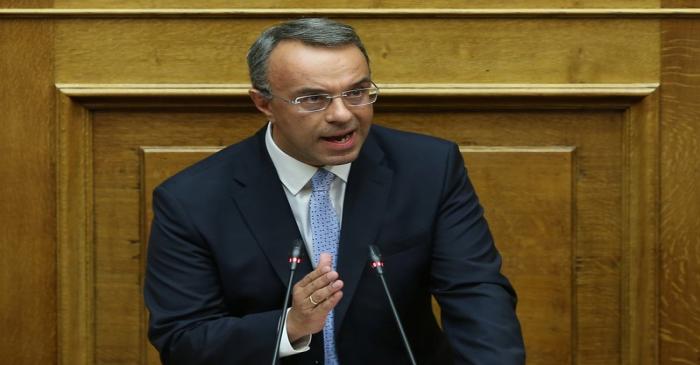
(325, 259)
(311, 281)
(308, 322)
(324, 266)
(318, 285)
(330, 302)
(327, 291)
(301, 293)
(310, 277)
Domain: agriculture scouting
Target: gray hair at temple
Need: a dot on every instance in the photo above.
(310, 31)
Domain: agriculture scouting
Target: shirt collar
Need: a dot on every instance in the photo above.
(293, 173)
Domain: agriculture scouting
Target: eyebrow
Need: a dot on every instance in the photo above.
(364, 80)
(310, 91)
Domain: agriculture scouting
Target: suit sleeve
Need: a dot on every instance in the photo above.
(189, 323)
(477, 302)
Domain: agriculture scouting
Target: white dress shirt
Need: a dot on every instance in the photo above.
(296, 180)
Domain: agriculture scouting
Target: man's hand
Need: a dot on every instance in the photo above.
(321, 286)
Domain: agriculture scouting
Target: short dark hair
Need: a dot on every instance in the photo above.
(311, 31)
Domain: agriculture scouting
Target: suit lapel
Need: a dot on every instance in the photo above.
(366, 196)
(260, 197)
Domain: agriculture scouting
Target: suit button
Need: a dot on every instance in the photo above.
(317, 362)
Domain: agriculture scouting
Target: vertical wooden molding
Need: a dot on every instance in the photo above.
(574, 255)
(76, 297)
(679, 272)
(143, 328)
(641, 233)
(149, 355)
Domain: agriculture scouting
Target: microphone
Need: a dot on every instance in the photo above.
(376, 262)
(294, 260)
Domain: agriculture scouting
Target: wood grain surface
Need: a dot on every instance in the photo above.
(27, 194)
(529, 200)
(680, 194)
(468, 51)
(679, 4)
(26, 4)
(356, 4)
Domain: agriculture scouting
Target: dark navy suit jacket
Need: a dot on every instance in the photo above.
(221, 235)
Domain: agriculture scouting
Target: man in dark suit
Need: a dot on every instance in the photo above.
(319, 171)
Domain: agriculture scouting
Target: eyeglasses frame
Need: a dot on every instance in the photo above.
(329, 98)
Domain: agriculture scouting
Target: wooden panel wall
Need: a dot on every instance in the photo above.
(616, 88)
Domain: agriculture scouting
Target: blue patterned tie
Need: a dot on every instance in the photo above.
(325, 230)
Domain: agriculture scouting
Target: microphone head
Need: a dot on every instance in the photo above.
(296, 248)
(374, 254)
(295, 256)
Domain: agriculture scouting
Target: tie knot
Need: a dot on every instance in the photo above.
(321, 181)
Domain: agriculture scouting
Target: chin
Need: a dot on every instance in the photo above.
(340, 160)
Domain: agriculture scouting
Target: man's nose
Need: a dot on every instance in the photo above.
(337, 111)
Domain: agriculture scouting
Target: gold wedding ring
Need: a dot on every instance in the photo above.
(311, 299)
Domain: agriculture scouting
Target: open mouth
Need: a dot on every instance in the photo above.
(339, 139)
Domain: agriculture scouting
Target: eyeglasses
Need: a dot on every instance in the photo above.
(318, 102)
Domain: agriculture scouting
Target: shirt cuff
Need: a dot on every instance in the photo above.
(287, 348)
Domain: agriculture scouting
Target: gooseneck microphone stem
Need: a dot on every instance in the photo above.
(398, 321)
(377, 263)
(294, 259)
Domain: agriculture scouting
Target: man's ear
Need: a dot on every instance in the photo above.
(261, 101)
